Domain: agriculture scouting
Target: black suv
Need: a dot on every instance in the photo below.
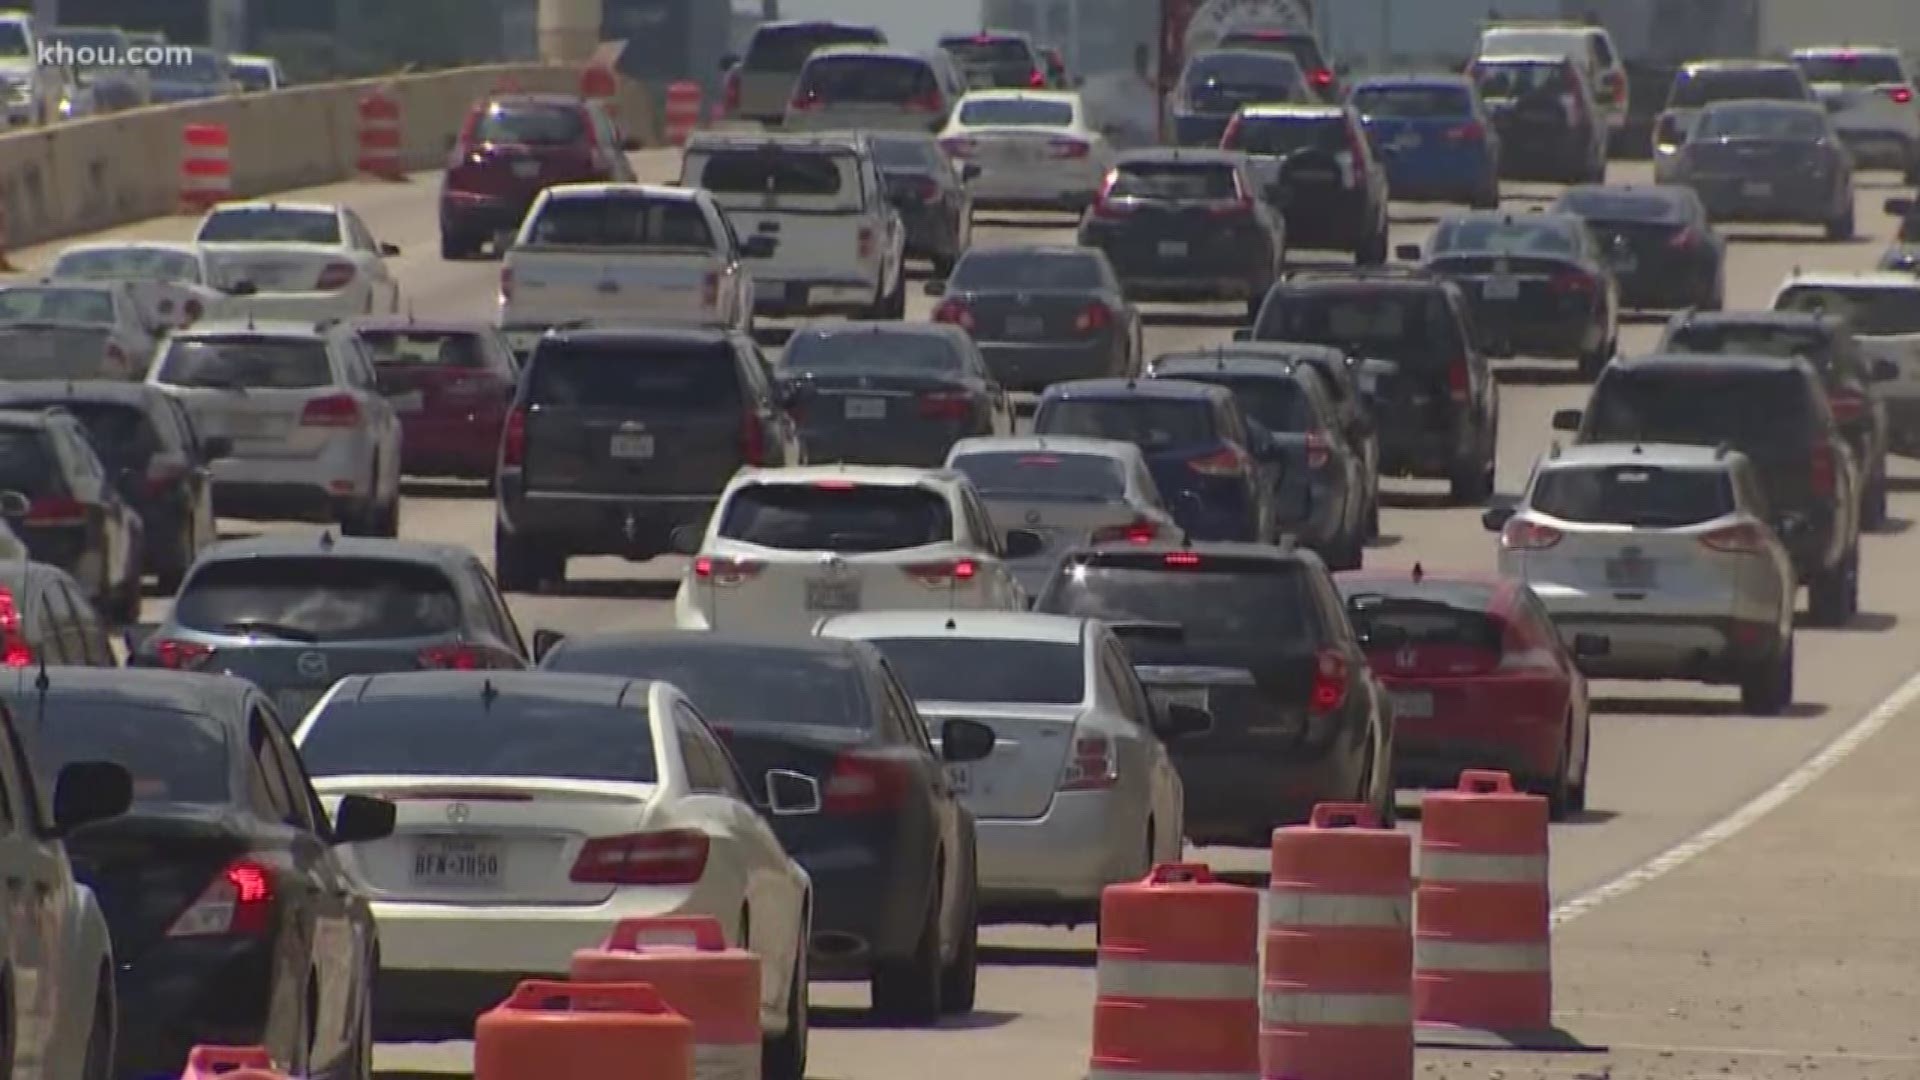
(1316, 164)
(1434, 401)
(619, 436)
(1826, 342)
(58, 498)
(1259, 638)
(1302, 45)
(1774, 410)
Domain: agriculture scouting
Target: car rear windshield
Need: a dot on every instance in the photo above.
(1027, 270)
(906, 155)
(1520, 78)
(1275, 404)
(242, 363)
(676, 378)
(1231, 604)
(1278, 136)
(1740, 121)
(128, 264)
(1016, 112)
(1175, 181)
(1878, 69)
(1691, 90)
(1601, 204)
(988, 669)
(1150, 423)
(1501, 236)
(1402, 325)
(535, 739)
(271, 225)
(319, 599)
(25, 464)
(828, 352)
(1413, 102)
(622, 221)
(745, 684)
(1244, 70)
(882, 80)
(1304, 50)
(836, 516)
(1044, 475)
(1754, 339)
(530, 125)
(771, 172)
(1425, 621)
(1872, 310)
(786, 48)
(433, 348)
(1702, 406)
(1532, 43)
(174, 757)
(122, 435)
(988, 50)
(56, 305)
(1642, 496)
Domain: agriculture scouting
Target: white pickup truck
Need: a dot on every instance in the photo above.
(625, 254)
(839, 247)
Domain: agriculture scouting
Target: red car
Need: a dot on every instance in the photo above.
(1479, 679)
(512, 147)
(452, 383)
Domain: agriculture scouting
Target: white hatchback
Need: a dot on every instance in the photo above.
(1035, 149)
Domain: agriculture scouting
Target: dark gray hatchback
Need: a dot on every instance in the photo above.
(1042, 314)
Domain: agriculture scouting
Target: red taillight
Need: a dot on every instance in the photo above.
(1092, 319)
(1684, 239)
(1736, 538)
(730, 93)
(1820, 464)
(1137, 531)
(506, 283)
(1459, 380)
(1848, 406)
(955, 312)
(162, 478)
(1523, 535)
(944, 573)
(1093, 766)
(238, 903)
(959, 148)
(1469, 132)
(719, 570)
(1238, 208)
(929, 102)
(178, 655)
(14, 650)
(924, 188)
(1181, 558)
(1321, 78)
(860, 784)
(1037, 80)
(513, 438)
(1319, 452)
(1329, 681)
(1227, 462)
(1568, 282)
(336, 276)
(453, 658)
(946, 405)
(753, 439)
(866, 244)
(673, 857)
(332, 411)
(1900, 95)
(56, 510)
(710, 291)
(806, 102)
(1068, 148)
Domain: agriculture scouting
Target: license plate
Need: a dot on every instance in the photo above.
(408, 403)
(832, 594)
(252, 427)
(1630, 573)
(1502, 288)
(1757, 189)
(293, 704)
(453, 863)
(1195, 697)
(1413, 704)
(1173, 249)
(632, 447)
(960, 778)
(1026, 326)
(526, 170)
(866, 408)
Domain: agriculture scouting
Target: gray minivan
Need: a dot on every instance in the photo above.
(760, 83)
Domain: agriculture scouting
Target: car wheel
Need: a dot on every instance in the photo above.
(784, 1056)
(1833, 594)
(906, 990)
(1377, 790)
(358, 1063)
(1768, 688)
(514, 567)
(1470, 484)
(959, 981)
(1577, 800)
(100, 1036)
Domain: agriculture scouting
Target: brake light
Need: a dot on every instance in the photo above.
(1137, 531)
(14, 650)
(1684, 239)
(1321, 78)
(672, 857)
(1092, 319)
(942, 574)
(730, 93)
(176, 655)
(959, 148)
(1848, 406)
(1093, 766)
(1329, 682)
(56, 510)
(924, 188)
(332, 411)
(710, 290)
(719, 570)
(929, 102)
(955, 312)
(946, 405)
(866, 244)
(1068, 148)
(506, 284)
(163, 478)
(1459, 380)
(1037, 80)
(1230, 138)
(753, 439)
(1567, 282)
(806, 102)
(1469, 132)
(1736, 538)
(1181, 558)
(860, 784)
(238, 903)
(453, 658)
(1901, 95)
(1224, 462)
(1523, 535)
(1821, 466)
(513, 438)
(1319, 452)
(336, 276)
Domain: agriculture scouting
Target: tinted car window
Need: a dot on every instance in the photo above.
(1016, 112)
(1174, 181)
(1147, 422)
(175, 757)
(786, 49)
(1412, 102)
(1753, 340)
(1603, 205)
(852, 518)
(1513, 79)
(1873, 310)
(1022, 270)
(253, 77)
(905, 154)
(558, 740)
(1243, 70)
(1852, 68)
(138, 264)
(987, 50)
(1402, 325)
(1424, 622)
(246, 363)
(1278, 136)
(1641, 496)
(1501, 236)
(319, 599)
(981, 669)
(1762, 122)
(26, 464)
(434, 348)
(1042, 475)
(1694, 89)
(1275, 404)
(825, 351)
(580, 375)
(1699, 407)
(35, 304)
(530, 125)
(756, 172)
(622, 221)
(122, 435)
(1230, 607)
(737, 686)
(274, 225)
(882, 80)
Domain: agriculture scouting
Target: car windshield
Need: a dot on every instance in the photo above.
(1603, 204)
(319, 599)
(983, 50)
(429, 348)
(1702, 406)
(174, 757)
(1280, 405)
(1244, 71)
(745, 684)
(1413, 102)
(1270, 135)
(1151, 423)
(1027, 270)
(1175, 181)
(1694, 89)
(785, 49)
(245, 363)
(129, 264)
(25, 464)
(1402, 325)
(1503, 79)
(905, 155)
(1853, 69)
(833, 515)
(201, 67)
(771, 172)
(532, 738)
(1505, 236)
(829, 352)
(621, 221)
(1230, 605)
(529, 125)
(1644, 497)
(1753, 339)
(1044, 475)
(1872, 310)
(271, 226)
(883, 80)
(988, 669)
(1016, 112)
(651, 376)
(1760, 122)
(1423, 618)
(36, 304)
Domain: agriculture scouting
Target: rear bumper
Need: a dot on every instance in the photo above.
(1036, 366)
(295, 489)
(306, 306)
(1430, 754)
(464, 446)
(1508, 328)
(1239, 796)
(1053, 186)
(1530, 157)
(1085, 841)
(1676, 283)
(1440, 180)
(630, 526)
(184, 994)
(1699, 648)
(1796, 202)
(779, 298)
(480, 217)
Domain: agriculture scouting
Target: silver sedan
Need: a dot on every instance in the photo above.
(55, 329)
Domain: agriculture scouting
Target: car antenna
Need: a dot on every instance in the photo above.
(41, 684)
(1419, 573)
(488, 693)
(326, 540)
(951, 625)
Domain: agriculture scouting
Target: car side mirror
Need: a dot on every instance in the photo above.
(934, 287)
(90, 791)
(685, 539)
(1495, 518)
(13, 504)
(1179, 721)
(1024, 543)
(792, 794)
(1591, 646)
(360, 818)
(544, 642)
(1566, 420)
(758, 247)
(1407, 252)
(1244, 333)
(970, 172)
(389, 251)
(962, 741)
(215, 447)
(242, 288)
(1884, 370)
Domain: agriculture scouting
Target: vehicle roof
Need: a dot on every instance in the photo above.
(1121, 388)
(1414, 78)
(1697, 361)
(1349, 578)
(1508, 217)
(184, 247)
(1672, 455)
(1276, 110)
(1893, 279)
(1808, 320)
(178, 691)
(1117, 449)
(431, 324)
(1733, 63)
(664, 335)
(877, 326)
(1204, 155)
(1758, 104)
(1847, 50)
(1522, 58)
(642, 639)
(99, 390)
(1529, 26)
(867, 475)
(1271, 31)
(972, 625)
(1272, 367)
(327, 545)
(849, 141)
(1673, 191)
(250, 327)
(1278, 351)
(276, 204)
(596, 190)
(1070, 97)
(780, 25)
(1339, 279)
(607, 691)
(868, 49)
(990, 34)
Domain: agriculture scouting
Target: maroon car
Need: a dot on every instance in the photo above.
(452, 382)
(512, 147)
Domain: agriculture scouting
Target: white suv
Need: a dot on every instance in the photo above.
(788, 547)
(1591, 46)
(1656, 562)
(313, 439)
(1870, 94)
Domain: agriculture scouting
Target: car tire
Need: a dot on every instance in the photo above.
(359, 1060)
(1558, 788)
(784, 1056)
(1374, 250)
(1373, 519)
(1833, 596)
(960, 979)
(1470, 484)
(906, 990)
(1842, 227)
(515, 568)
(893, 306)
(1767, 690)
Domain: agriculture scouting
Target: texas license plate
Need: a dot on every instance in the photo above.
(1502, 288)
(1630, 573)
(631, 447)
(408, 403)
(833, 594)
(456, 863)
(1413, 704)
(1757, 189)
(1025, 326)
(866, 408)
(526, 170)
(960, 778)
(1173, 249)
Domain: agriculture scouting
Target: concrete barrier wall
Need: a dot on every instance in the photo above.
(86, 175)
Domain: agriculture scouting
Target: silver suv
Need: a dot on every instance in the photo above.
(1656, 562)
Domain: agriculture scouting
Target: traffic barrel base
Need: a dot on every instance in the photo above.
(687, 961)
(208, 1061)
(578, 1031)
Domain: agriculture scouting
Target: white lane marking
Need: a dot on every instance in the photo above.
(1790, 785)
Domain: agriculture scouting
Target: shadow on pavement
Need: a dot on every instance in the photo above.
(1029, 956)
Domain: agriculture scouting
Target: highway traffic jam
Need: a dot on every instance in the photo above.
(910, 508)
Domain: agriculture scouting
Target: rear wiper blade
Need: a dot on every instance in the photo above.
(267, 628)
(1149, 631)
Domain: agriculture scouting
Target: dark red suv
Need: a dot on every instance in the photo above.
(513, 146)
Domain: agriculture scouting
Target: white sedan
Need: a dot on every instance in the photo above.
(171, 281)
(535, 811)
(53, 329)
(300, 260)
(1035, 149)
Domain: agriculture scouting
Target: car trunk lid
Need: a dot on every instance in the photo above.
(1029, 316)
(149, 865)
(282, 268)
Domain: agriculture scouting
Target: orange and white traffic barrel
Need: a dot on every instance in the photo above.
(687, 960)
(380, 136)
(1178, 980)
(598, 82)
(207, 1062)
(1483, 923)
(682, 111)
(206, 167)
(582, 1031)
(1337, 980)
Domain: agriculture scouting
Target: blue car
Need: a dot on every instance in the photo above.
(1433, 134)
(1214, 466)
